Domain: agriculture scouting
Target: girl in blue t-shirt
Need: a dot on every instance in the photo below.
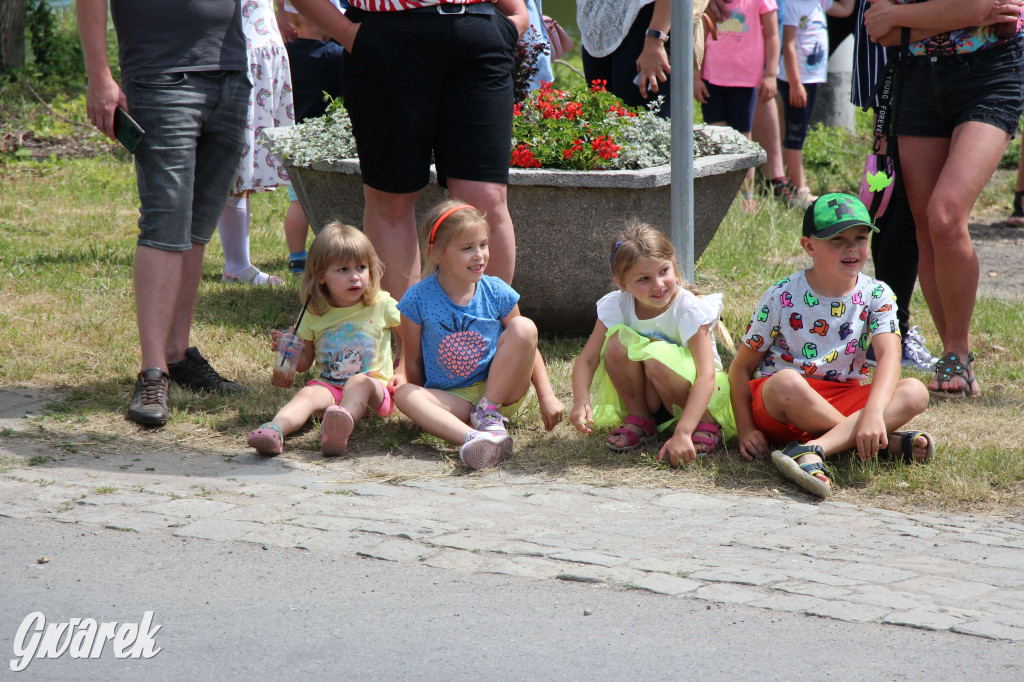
(468, 356)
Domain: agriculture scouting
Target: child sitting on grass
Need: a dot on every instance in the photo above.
(468, 354)
(805, 348)
(653, 352)
(347, 331)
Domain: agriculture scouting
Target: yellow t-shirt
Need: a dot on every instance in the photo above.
(352, 340)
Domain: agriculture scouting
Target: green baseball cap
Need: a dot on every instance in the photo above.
(830, 214)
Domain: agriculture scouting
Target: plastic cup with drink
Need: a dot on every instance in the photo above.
(286, 355)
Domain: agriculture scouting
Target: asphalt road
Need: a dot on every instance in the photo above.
(233, 610)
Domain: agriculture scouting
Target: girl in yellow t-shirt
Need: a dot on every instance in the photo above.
(346, 332)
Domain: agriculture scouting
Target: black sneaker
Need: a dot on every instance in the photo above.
(196, 374)
(149, 403)
(783, 190)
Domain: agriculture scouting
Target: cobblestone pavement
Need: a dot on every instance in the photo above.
(963, 573)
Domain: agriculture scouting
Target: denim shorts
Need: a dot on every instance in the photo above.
(185, 164)
(419, 84)
(938, 93)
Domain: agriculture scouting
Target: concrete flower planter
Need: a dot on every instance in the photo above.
(564, 222)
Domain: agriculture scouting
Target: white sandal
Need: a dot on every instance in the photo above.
(252, 275)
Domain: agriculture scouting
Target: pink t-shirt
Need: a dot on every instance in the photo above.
(736, 59)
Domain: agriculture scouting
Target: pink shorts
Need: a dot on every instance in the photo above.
(387, 405)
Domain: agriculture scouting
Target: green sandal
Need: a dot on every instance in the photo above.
(803, 474)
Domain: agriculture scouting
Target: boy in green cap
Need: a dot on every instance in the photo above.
(800, 375)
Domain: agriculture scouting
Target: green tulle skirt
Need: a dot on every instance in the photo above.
(609, 410)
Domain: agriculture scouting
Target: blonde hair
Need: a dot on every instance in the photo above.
(638, 242)
(453, 226)
(338, 243)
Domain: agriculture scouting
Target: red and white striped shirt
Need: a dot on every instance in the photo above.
(399, 5)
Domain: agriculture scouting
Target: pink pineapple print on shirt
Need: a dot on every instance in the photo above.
(461, 350)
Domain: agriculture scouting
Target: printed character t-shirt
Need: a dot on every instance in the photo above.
(808, 16)
(736, 59)
(677, 324)
(820, 337)
(961, 40)
(458, 341)
(352, 340)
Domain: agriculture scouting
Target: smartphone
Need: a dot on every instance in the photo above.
(127, 131)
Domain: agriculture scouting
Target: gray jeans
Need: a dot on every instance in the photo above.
(195, 135)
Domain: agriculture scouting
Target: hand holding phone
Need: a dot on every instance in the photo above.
(127, 131)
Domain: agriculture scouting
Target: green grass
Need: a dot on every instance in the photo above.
(67, 237)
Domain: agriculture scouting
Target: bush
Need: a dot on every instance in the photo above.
(57, 53)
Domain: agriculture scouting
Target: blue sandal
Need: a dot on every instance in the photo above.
(803, 474)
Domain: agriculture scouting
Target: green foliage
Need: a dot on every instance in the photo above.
(56, 49)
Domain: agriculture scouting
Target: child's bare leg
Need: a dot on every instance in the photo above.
(509, 377)
(308, 401)
(438, 413)
(908, 400)
(789, 398)
(629, 378)
(296, 227)
(794, 160)
(362, 392)
(673, 389)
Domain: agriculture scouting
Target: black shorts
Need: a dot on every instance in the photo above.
(938, 93)
(730, 104)
(419, 83)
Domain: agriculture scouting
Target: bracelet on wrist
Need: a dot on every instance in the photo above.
(655, 33)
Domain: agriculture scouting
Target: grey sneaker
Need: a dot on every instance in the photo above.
(194, 372)
(484, 449)
(915, 354)
(485, 416)
(149, 403)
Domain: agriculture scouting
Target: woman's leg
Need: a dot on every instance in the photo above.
(972, 155)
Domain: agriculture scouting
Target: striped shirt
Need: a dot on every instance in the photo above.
(868, 62)
(399, 5)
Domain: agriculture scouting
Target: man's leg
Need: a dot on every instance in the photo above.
(190, 270)
(157, 274)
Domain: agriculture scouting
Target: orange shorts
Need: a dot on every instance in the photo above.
(847, 397)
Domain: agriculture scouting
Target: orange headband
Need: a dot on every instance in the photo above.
(444, 216)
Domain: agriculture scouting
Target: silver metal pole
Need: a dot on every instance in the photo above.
(681, 60)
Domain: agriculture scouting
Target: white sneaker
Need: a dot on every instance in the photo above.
(485, 417)
(915, 354)
(484, 449)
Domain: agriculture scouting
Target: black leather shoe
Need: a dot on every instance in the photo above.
(149, 404)
(196, 374)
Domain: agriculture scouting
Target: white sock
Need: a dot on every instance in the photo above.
(233, 227)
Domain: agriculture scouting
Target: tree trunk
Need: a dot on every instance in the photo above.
(12, 34)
